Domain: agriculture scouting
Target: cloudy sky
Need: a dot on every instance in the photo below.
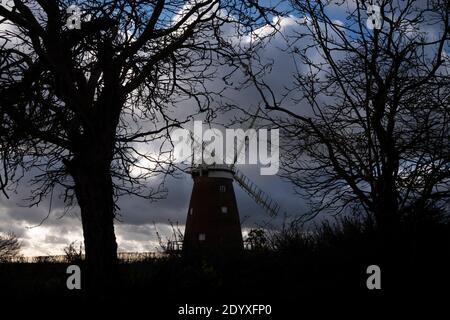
(135, 227)
(138, 217)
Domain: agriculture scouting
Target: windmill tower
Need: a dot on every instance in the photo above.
(213, 225)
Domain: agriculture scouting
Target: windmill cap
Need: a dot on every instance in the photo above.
(213, 171)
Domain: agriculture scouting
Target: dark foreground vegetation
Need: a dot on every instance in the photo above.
(286, 267)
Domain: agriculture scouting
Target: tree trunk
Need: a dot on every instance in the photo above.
(387, 219)
(386, 209)
(94, 192)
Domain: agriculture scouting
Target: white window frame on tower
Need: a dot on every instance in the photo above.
(201, 237)
(222, 188)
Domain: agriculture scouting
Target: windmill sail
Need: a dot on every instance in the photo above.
(259, 196)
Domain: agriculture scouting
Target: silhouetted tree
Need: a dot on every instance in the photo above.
(256, 239)
(366, 120)
(9, 247)
(91, 107)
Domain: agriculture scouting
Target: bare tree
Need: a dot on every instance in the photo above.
(366, 121)
(86, 93)
(9, 247)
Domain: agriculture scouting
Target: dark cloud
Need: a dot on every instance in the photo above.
(135, 229)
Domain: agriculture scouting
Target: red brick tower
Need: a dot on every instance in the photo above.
(212, 225)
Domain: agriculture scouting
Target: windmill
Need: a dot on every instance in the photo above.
(213, 224)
